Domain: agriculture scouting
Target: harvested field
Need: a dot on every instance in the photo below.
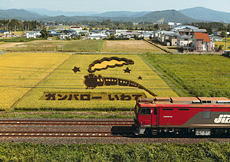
(5, 45)
(56, 46)
(129, 46)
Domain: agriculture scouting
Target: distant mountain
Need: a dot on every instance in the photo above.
(19, 14)
(122, 14)
(205, 14)
(167, 16)
(157, 16)
(46, 12)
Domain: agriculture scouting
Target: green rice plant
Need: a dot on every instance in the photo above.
(199, 75)
(114, 152)
(82, 46)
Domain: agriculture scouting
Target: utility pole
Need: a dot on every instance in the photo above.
(62, 40)
(226, 40)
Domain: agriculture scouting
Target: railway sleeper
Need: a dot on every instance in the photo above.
(183, 131)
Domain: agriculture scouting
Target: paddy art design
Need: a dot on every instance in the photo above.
(109, 62)
(59, 96)
(92, 81)
(72, 87)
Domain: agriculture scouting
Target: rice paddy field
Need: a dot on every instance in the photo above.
(129, 46)
(19, 72)
(49, 81)
(199, 75)
(223, 43)
(65, 81)
(56, 46)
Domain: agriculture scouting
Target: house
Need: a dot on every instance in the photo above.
(164, 36)
(202, 43)
(5, 33)
(38, 32)
(155, 35)
(185, 36)
(97, 36)
(172, 39)
(185, 27)
(79, 30)
(217, 32)
(66, 33)
(75, 35)
(31, 34)
(184, 40)
(215, 38)
(130, 34)
(118, 32)
(146, 34)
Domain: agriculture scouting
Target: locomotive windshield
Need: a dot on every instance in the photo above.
(144, 111)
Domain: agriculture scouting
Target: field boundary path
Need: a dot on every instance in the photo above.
(158, 46)
(18, 100)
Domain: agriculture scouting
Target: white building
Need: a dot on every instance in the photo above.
(97, 36)
(215, 38)
(118, 32)
(31, 34)
(80, 30)
(184, 40)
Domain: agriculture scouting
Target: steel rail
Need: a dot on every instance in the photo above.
(55, 134)
(65, 122)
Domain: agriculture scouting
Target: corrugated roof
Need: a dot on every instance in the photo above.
(203, 36)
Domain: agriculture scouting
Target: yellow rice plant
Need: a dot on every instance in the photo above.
(223, 43)
(64, 80)
(19, 72)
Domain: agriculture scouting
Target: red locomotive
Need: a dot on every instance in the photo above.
(180, 115)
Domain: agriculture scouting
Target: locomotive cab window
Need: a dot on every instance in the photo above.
(144, 111)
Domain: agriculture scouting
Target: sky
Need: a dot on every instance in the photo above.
(115, 5)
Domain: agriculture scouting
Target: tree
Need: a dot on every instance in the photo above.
(44, 33)
(223, 33)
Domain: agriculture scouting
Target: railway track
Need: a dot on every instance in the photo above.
(18, 134)
(37, 128)
(67, 122)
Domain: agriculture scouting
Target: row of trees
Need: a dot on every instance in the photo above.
(122, 25)
(19, 25)
(31, 25)
(210, 26)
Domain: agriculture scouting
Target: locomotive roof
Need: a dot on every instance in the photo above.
(185, 101)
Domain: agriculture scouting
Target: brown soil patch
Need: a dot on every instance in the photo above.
(4, 46)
